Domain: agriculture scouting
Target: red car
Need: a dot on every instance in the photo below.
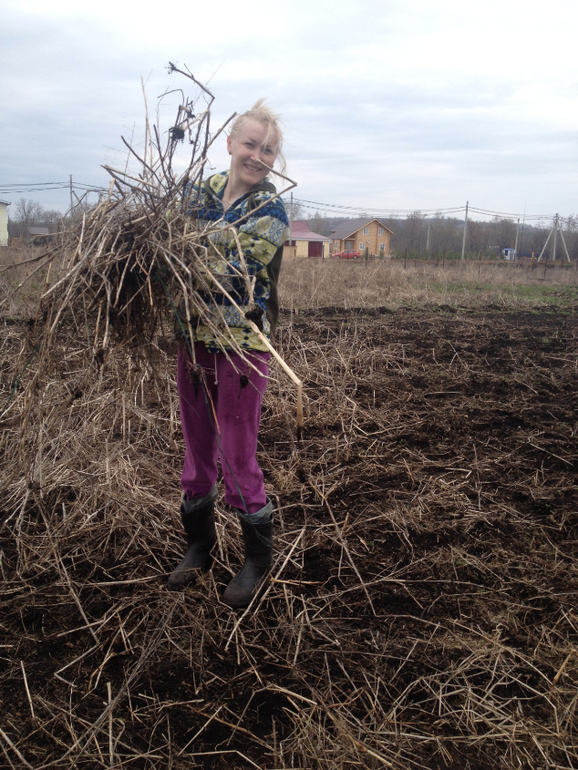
(348, 255)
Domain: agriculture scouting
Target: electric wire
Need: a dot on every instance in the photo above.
(330, 208)
(363, 211)
(34, 187)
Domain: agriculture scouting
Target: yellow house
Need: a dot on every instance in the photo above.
(305, 243)
(4, 223)
(362, 234)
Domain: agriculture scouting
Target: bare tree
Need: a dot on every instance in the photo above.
(294, 210)
(445, 234)
(570, 225)
(28, 213)
(414, 231)
(51, 218)
(319, 224)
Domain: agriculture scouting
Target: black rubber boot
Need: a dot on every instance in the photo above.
(258, 539)
(198, 518)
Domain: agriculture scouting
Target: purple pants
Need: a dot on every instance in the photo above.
(220, 405)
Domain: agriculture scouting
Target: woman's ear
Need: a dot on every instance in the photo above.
(229, 144)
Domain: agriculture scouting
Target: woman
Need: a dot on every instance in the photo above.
(220, 393)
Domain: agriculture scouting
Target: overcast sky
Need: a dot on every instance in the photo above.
(386, 104)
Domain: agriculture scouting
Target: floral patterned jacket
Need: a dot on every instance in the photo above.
(261, 236)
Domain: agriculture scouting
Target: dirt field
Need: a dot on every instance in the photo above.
(422, 612)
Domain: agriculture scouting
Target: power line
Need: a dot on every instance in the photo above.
(509, 215)
(489, 212)
(330, 208)
(34, 187)
(365, 209)
(34, 184)
(12, 189)
(362, 210)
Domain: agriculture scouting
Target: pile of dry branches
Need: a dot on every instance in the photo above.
(128, 264)
(114, 281)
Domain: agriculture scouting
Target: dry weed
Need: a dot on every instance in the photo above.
(421, 612)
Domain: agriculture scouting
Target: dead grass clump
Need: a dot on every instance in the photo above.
(22, 281)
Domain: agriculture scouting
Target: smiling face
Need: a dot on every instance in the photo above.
(253, 141)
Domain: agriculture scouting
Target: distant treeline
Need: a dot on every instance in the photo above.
(26, 213)
(482, 238)
(417, 234)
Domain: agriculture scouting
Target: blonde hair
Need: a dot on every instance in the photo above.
(265, 115)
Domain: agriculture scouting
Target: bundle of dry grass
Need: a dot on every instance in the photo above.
(126, 266)
(115, 280)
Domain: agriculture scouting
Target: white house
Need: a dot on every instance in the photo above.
(4, 223)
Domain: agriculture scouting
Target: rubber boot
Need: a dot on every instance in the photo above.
(198, 517)
(258, 540)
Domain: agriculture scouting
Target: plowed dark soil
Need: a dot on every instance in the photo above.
(423, 611)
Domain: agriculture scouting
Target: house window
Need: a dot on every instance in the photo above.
(361, 245)
(380, 230)
(382, 246)
(366, 230)
(290, 243)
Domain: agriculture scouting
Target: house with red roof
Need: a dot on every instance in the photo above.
(303, 242)
(362, 234)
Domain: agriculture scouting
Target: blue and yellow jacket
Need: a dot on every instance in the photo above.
(261, 234)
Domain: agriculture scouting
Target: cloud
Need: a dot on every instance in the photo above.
(407, 103)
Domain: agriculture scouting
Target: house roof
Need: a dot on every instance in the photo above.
(351, 226)
(6, 203)
(38, 231)
(300, 231)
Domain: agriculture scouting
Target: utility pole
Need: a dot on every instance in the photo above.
(564, 244)
(516, 244)
(465, 230)
(71, 203)
(554, 241)
(554, 232)
(291, 225)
